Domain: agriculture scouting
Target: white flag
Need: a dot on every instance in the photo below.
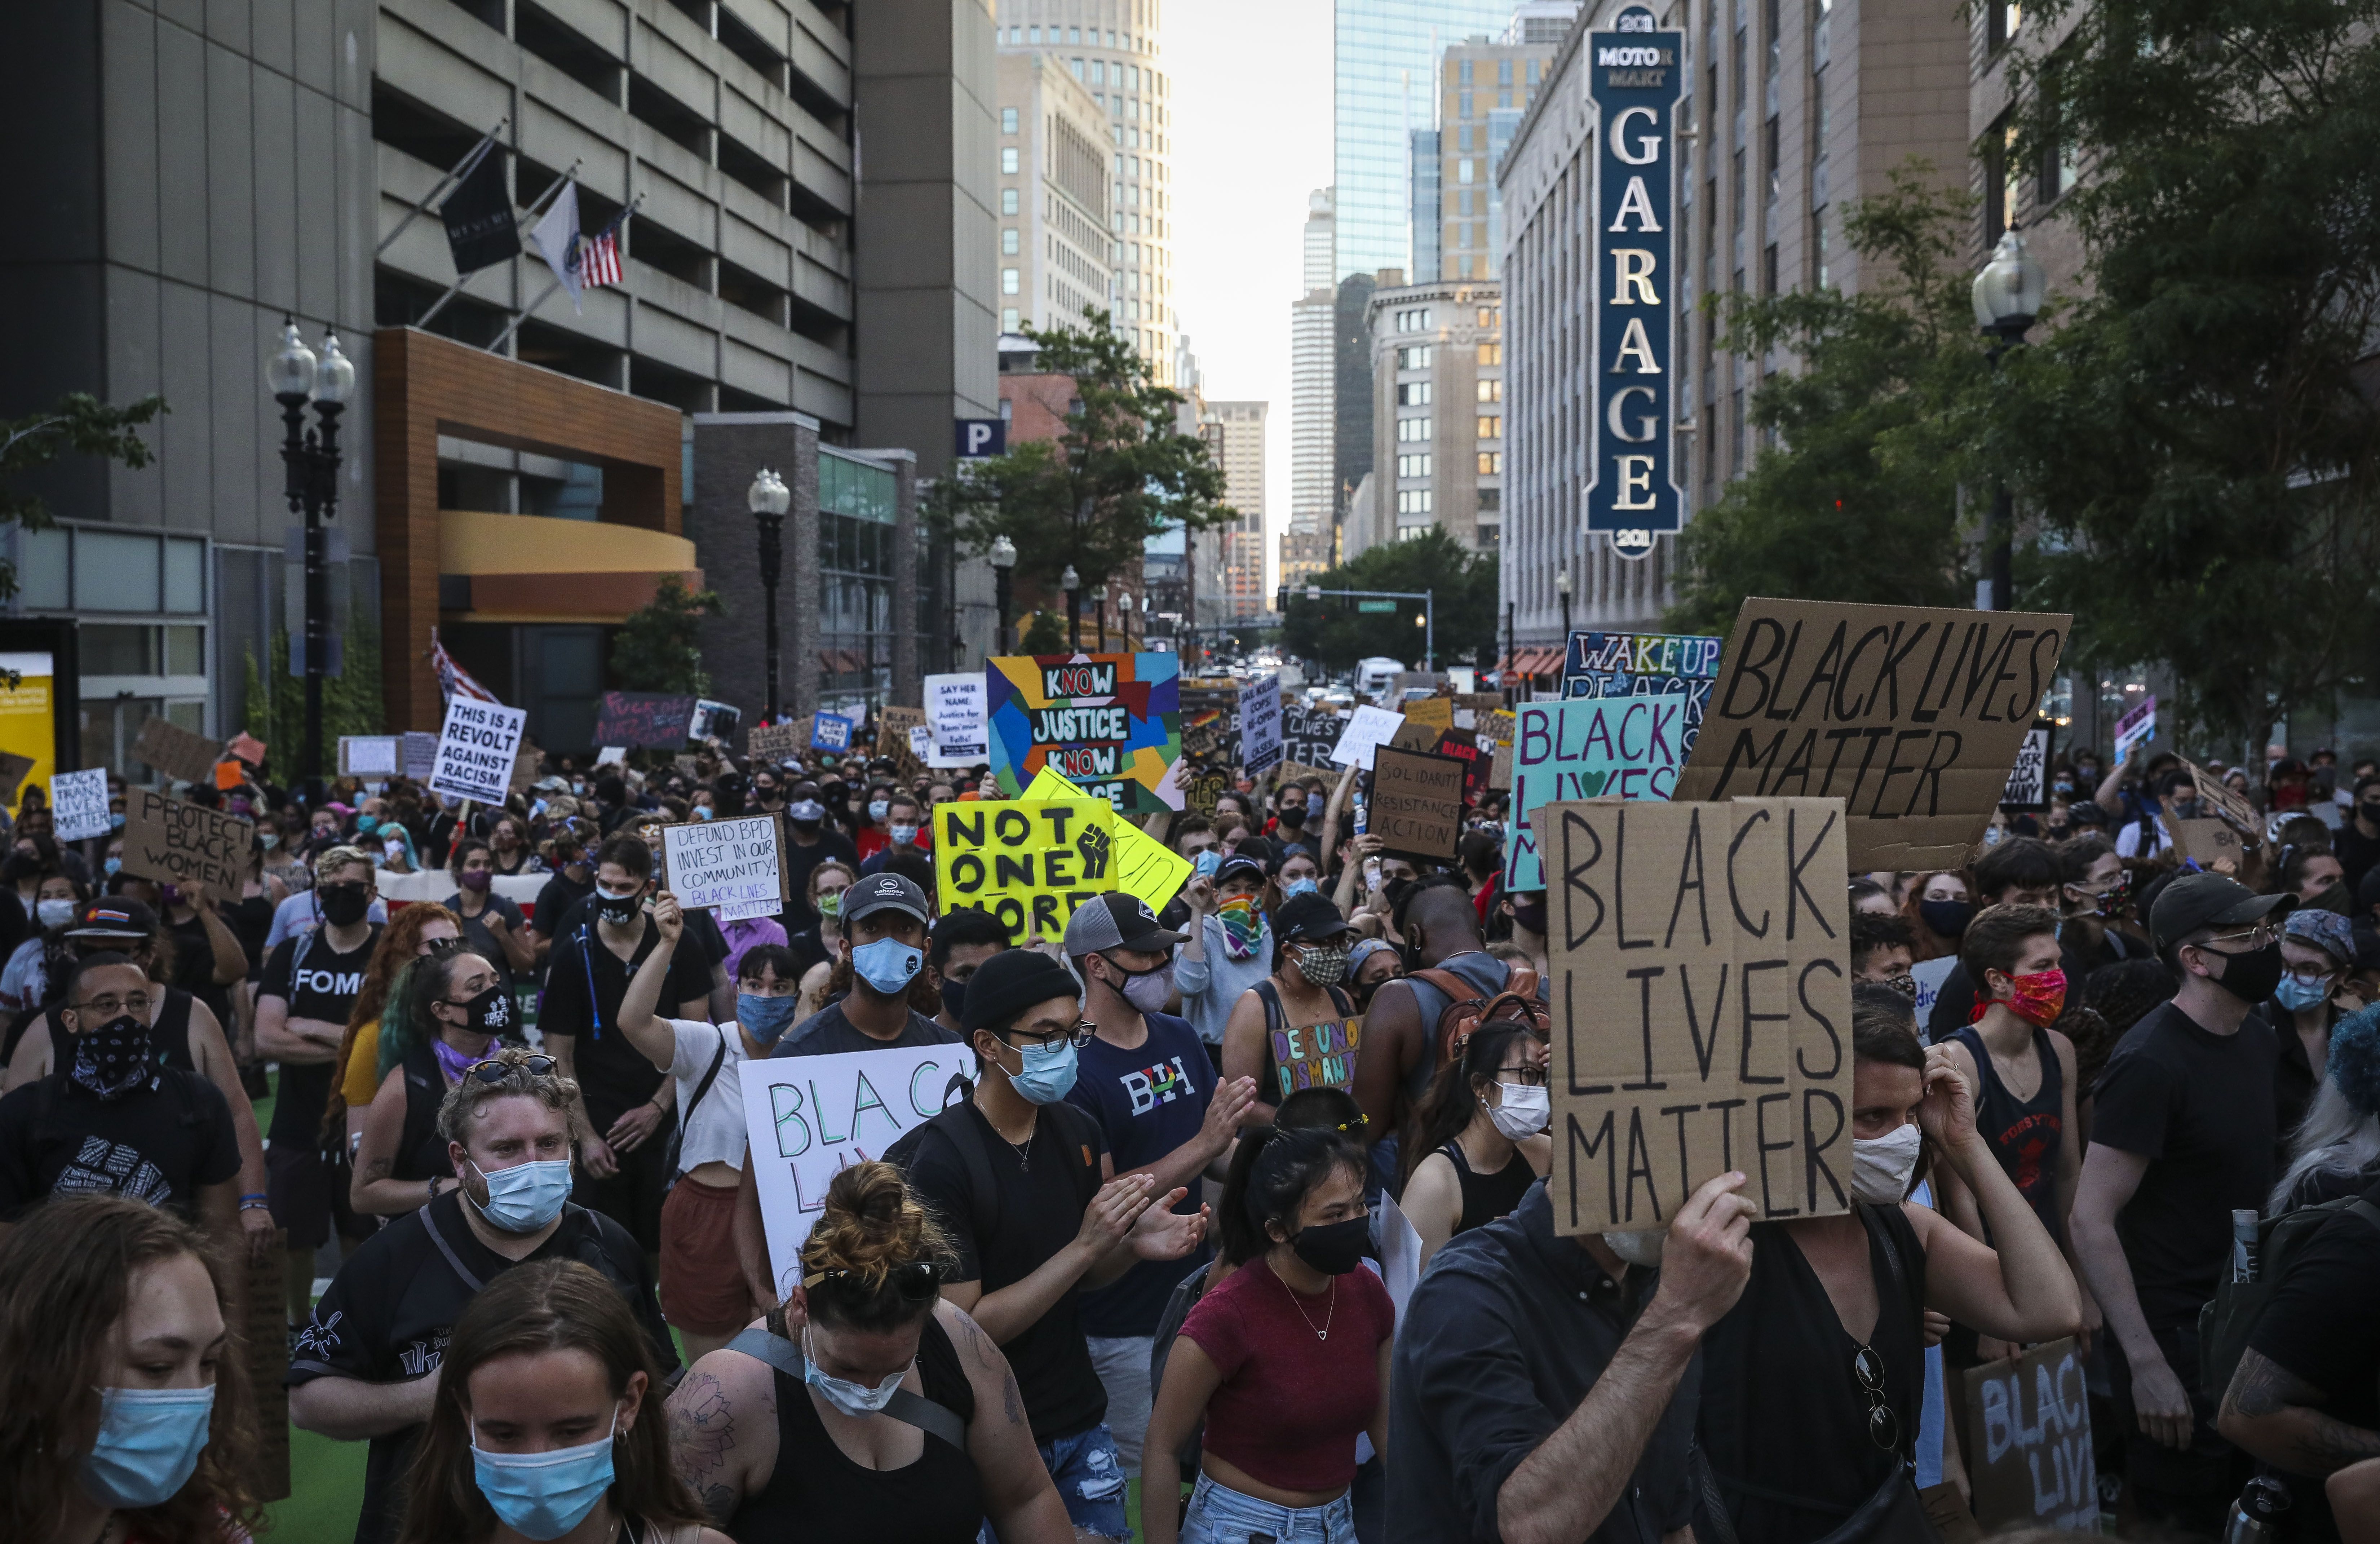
(556, 233)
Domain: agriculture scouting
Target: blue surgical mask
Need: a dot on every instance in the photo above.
(367, 824)
(852, 1399)
(527, 1196)
(765, 1018)
(888, 964)
(2296, 995)
(112, 866)
(901, 836)
(1049, 1072)
(544, 1495)
(147, 1445)
(877, 808)
(1207, 862)
(702, 811)
(1313, 806)
(114, 823)
(1300, 886)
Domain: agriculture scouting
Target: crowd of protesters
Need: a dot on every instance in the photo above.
(1131, 1281)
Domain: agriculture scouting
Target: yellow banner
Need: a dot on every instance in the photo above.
(1144, 866)
(1028, 862)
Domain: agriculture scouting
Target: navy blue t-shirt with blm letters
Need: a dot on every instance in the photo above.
(1149, 1100)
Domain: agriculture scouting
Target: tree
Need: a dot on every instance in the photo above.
(80, 424)
(351, 699)
(2198, 440)
(659, 648)
(1333, 632)
(1120, 473)
(1045, 633)
(1859, 499)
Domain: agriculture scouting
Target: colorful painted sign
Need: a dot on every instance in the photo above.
(1627, 748)
(1644, 664)
(1110, 725)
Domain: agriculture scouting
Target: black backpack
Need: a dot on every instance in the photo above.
(1078, 1134)
(2230, 1317)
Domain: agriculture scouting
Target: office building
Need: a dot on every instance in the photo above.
(1483, 89)
(1053, 195)
(1234, 433)
(1312, 420)
(1351, 371)
(1111, 47)
(1437, 371)
(1803, 106)
(1385, 55)
(1426, 201)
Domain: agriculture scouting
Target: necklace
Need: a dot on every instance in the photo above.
(1323, 1333)
(1023, 1148)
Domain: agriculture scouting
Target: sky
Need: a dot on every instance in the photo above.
(1251, 113)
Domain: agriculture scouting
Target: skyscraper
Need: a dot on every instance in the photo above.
(1234, 433)
(1311, 482)
(1385, 55)
(1482, 89)
(1053, 194)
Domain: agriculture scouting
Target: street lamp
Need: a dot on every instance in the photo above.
(1003, 559)
(1099, 605)
(1072, 583)
(2009, 294)
(311, 459)
(769, 498)
(1562, 588)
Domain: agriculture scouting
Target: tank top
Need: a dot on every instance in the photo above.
(2025, 1134)
(1783, 1416)
(1477, 966)
(421, 1151)
(815, 1492)
(169, 1037)
(1308, 1055)
(1489, 1197)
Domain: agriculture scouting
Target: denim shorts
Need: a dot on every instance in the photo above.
(1090, 1480)
(1219, 1515)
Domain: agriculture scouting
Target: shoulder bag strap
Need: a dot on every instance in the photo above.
(718, 1060)
(935, 1420)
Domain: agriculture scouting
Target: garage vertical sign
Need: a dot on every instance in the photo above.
(1634, 80)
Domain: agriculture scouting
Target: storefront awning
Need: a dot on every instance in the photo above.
(534, 568)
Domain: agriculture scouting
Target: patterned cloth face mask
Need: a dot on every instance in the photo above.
(1243, 928)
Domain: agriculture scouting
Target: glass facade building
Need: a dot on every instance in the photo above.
(857, 507)
(1385, 58)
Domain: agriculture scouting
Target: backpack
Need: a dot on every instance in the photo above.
(1078, 1134)
(1466, 1010)
(2230, 1317)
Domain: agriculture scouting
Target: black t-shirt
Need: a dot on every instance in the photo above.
(554, 902)
(2318, 1326)
(1040, 1212)
(829, 1032)
(194, 966)
(159, 1145)
(391, 1309)
(324, 986)
(2199, 1107)
(799, 860)
(482, 938)
(583, 989)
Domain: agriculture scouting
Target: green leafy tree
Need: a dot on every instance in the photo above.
(1859, 498)
(78, 425)
(1119, 473)
(1332, 631)
(2197, 436)
(351, 699)
(659, 648)
(1045, 633)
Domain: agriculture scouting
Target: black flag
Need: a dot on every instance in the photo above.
(480, 228)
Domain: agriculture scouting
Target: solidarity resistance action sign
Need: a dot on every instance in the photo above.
(1110, 725)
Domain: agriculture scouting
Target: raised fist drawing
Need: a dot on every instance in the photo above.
(1093, 845)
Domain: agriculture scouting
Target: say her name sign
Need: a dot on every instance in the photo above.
(1702, 1007)
(477, 749)
(809, 1117)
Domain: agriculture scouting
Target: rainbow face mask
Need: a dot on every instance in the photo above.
(1243, 928)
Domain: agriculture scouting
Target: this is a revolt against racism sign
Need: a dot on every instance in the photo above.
(1702, 1008)
(477, 749)
(1911, 715)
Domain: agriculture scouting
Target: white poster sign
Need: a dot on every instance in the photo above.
(476, 748)
(955, 708)
(1260, 724)
(730, 865)
(1399, 1256)
(810, 1116)
(79, 805)
(1370, 727)
(371, 755)
(1929, 975)
(2138, 725)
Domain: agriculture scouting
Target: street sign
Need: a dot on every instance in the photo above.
(979, 437)
(1375, 605)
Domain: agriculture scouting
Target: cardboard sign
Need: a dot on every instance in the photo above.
(477, 749)
(2137, 725)
(173, 750)
(731, 866)
(13, 768)
(1417, 735)
(525, 767)
(79, 805)
(1702, 1006)
(658, 720)
(1502, 725)
(774, 743)
(2234, 807)
(1499, 771)
(1260, 738)
(371, 756)
(809, 1117)
(2029, 1442)
(1416, 804)
(894, 728)
(954, 713)
(1682, 665)
(2028, 779)
(1911, 715)
(1369, 727)
(1203, 791)
(173, 840)
(1436, 712)
(1109, 723)
(1143, 866)
(1622, 747)
(1301, 772)
(247, 746)
(2207, 842)
(830, 732)
(1307, 732)
(419, 750)
(1028, 862)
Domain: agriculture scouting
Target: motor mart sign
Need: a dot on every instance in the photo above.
(1634, 79)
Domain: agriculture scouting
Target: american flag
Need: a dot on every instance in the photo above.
(597, 258)
(453, 679)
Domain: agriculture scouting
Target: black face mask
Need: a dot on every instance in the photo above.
(1292, 816)
(618, 910)
(1949, 918)
(491, 1013)
(343, 906)
(955, 999)
(1530, 915)
(1333, 1249)
(111, 1060)
(2251, 976)
(2369, 811)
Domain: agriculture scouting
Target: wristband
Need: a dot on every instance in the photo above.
(254, 1196)
(255, 1203)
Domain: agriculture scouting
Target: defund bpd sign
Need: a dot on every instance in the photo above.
(1634, 80)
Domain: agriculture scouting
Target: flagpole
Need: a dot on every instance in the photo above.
(462, 168)
(502, 337)
(543, 199)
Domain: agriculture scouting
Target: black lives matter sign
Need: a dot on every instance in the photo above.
(1701, 999)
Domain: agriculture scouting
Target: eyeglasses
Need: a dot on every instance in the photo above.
(1905, 985)
(496, 1072)
(1532, 1077)
(108, 1007)
(443, 946)
(1883, 1425)
(918, 1282)
(1078, 1036)
(2315, 976)
(2262, 935)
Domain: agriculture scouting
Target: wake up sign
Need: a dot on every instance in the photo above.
(1634, 78)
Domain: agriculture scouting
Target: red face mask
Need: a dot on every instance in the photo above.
(2039, 998)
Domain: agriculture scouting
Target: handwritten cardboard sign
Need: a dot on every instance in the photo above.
(173, 750)
(1416, 802)
(1369, 727)
(809, 1117)
(478, 748)
(1586, 748)
(79, 805)
(173, 840)
(1911, 715)
(13, 768)
(2208, 842)
(893, 733)
(1201, 792)
(774, 743)
(1260, 737)
(2226, 802)
(1701, 995)
(1028, 862)
(732, 866)
(2029, 1442)
(655, 719)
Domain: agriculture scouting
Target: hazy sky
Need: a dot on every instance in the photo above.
(1252, 137)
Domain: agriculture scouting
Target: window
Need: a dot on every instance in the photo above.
(1008, 281)
(1008, 200)
(1491, 428)
(1491, 354)
(1007, 324)
(1768, 269)
(1491, 316)
(1008, 160)
(1413, 465)
(1076, 65)
(1412, 322)
(1466, 105)
(1099, 73)
(1491, 463)
(1462, 170)
(1999, 181)
(1462, 72)
(1413, 501)
(1008, 120)
(1033, 35)
(1491, 391)
(1075, 34)
(1533, 67)
(1414, 357)
(1503, 72)
(2001, 22)
(1410, 429)
(2058, 168)
(1008, 242)
(1413, 394)
(1818, 244)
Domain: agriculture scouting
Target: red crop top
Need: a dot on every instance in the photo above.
(1291, 1405)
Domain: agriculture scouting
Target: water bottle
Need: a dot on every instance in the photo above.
(2257, 1517)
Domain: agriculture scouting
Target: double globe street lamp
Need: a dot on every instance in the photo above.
(1004, 566)
(2009, 294)
(311, 459)
(769, 498)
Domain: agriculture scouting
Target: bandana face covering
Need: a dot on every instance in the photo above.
(113, 1060)
(2040, 998)
(1242, 926)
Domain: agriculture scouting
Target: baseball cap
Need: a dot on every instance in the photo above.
(1116, 921)
(885, 892)
(1308, 918)
(113, 917)
(1241, 862)
(2193, 901)
(1011, 982)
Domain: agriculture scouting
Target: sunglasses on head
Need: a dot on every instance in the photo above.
(918, 1282)
(496, 1072)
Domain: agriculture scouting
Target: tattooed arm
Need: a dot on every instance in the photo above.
(2273, 1414)
(722, 1430)
(1023, 1504)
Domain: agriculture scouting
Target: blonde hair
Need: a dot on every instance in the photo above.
(467, 1098)
(870, 1227)
(330, 860)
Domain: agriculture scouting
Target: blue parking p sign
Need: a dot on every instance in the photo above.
(983, 437)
